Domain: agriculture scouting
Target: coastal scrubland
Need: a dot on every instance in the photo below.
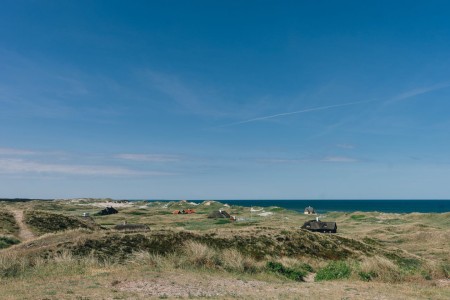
(264, 254)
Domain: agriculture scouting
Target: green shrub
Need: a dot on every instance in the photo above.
(291, 273)
(307, 267)
(408, 265)
(6, 241)
(8, 224)
(367, 276)
(446, 270)
(45, 222)
(334, 270)
(426, 275)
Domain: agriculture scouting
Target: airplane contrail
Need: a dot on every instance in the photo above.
(295, 112)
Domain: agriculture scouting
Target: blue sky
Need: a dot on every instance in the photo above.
(225, 99)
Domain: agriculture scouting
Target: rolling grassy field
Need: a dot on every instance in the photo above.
(374, 255)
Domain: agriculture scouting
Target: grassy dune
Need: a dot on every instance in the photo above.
(374, 255)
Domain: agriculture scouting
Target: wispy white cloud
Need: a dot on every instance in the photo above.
(339, 159)
(194, 97)
(16, 152)
(20, 166)
(149, 157)
(296, 112)
(173, 87)
(419, 91)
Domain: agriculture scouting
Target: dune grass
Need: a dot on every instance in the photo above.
(371, 248)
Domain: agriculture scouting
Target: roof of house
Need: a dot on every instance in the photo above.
(319, 225)
(108, 211)
(309, 208)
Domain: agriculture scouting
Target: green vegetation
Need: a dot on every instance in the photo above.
(8, 224)
(7, 241)
(45, 222)
(293, 274)
(357, 217)
(367, 276)
(409, 265)
(222, 221)
(334, 270)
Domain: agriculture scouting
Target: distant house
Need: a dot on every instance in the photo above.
(217, 214)
(319, 226)
(310, 211)
(108, 211)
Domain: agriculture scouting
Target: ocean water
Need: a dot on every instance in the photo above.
(324, 206)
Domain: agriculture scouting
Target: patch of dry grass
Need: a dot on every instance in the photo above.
(379, 268)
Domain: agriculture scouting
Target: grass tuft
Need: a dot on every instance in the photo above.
(334, 270)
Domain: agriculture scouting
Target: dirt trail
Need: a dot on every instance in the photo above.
(24, 234)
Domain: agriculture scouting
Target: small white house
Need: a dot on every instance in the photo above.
(310, 211)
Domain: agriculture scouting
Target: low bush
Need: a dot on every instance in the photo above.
(293, 274)
(446, 270)
(334, 270)
(408, 265)
(8, 224)
(45, 222)
(6, 241)
(367, 276)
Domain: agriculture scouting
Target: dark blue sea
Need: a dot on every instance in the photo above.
(324, 206)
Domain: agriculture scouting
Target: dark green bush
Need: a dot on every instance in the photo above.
(293, 274)
(6, 241)
(446, 270)
(367, 276)
(8, 224)
(426, 275)
(45, 222)
(408, 265)
(334, 270)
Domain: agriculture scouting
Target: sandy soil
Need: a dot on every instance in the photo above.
(24, 234)
(177, 286)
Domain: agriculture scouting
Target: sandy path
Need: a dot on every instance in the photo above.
(192, 285)
(24, 234)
